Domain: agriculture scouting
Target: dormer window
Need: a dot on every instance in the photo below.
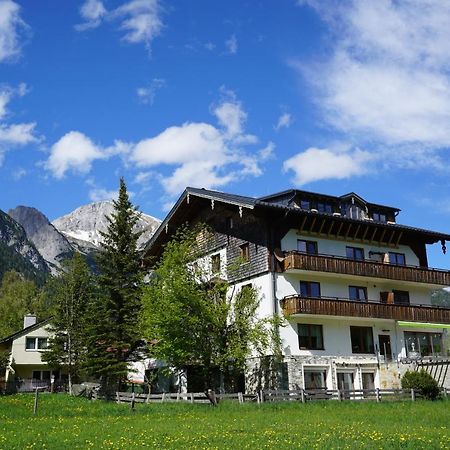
(305, 204)
(324, 208)
(354, 212)
(379, 217)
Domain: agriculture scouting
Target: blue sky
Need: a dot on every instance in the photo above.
(245, 97)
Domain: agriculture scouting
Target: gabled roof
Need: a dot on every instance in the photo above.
(191, 198)
(24, 331)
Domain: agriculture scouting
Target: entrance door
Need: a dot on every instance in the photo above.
(384, 342)
(345, 383)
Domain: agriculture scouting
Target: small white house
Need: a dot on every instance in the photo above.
(26, 347)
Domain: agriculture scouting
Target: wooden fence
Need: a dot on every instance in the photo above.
(301, 395)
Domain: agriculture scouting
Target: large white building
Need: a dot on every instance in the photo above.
(354, 284)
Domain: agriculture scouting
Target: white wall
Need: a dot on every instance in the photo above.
(337, 247)
(23, 356)
(205, 264)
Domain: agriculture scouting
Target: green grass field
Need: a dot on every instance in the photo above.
(63, 422)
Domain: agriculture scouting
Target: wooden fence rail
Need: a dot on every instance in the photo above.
(302, 395)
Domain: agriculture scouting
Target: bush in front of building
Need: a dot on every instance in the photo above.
(422, 382)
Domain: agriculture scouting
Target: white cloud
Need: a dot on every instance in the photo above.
(316, 164)
(13, 134)
(93, 12)
(387, 81)
(147, 94)
(142, 177)
(140, 20)
(284, 121)
(11, 27)
(100, 194)
(19, 173)
(232, 44)
(202, 154)
(74, 151)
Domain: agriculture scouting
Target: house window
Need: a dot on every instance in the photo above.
(229, 222)
(309, 289)
(354, 212)
(355, 253)
(310, 337)
(324, 208)
(358, 293)
(401, 297)
(244, 252)
(362, 339)
(41, 375)
(379, 217)
(215, 263)
(397, 258)
(309, 247)
(315, 379)
(424, 344)
(305, 204)
(35, 343)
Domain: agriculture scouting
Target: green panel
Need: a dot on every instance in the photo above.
(423, 325)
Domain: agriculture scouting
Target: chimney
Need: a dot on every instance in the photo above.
(28, 320)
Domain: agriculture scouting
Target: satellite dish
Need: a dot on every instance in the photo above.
(279, 254)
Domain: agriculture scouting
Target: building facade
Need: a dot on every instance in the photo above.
(354, 285)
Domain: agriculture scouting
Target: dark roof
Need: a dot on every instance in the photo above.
(262, 203)
(24, 331)
(294, 192)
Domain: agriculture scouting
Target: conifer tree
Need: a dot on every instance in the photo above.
(113, 330)
(72, 292)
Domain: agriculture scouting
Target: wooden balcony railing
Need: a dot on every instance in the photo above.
(333, 306)
(365, 268)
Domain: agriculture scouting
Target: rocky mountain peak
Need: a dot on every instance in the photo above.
(51, 244)
(85, 223)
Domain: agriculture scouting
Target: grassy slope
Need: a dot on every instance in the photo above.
(68, 423)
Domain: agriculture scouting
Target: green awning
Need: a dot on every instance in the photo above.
(422, 325)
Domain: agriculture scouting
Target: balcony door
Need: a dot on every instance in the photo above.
(384, 342)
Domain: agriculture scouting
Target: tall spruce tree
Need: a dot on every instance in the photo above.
(72, 292)
(113, 329)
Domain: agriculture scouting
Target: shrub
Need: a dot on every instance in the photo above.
(422, 382)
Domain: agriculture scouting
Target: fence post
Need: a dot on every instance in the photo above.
(261, 396)
(377, 392)
(133, 398)
(339, 395)
(192, 397)
(118, 397)
(163, 397)
(302, 393)
(413, 395)
(36, 399)
(240, 397)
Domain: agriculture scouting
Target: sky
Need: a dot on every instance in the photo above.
(248, 97)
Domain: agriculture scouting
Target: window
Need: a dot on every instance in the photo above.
(379, 217)
(35, 343)
(229, 223)
(305, 204)
(310, 337)
(315, 379)
(309, 247)
(401, 297)
(357, 293)
(309, 289)
(324, 208)
(354, 212)
(245, 252)
(215, 263)
(355, 253)
(42, 375)
(362, 339)
(397, 259)
(368, 381)
(423, 344)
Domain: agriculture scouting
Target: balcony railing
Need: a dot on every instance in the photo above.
(365, 268)
(334, 306)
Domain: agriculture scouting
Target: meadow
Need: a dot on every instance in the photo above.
(64, 422)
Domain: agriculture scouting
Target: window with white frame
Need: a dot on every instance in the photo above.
(36, 343)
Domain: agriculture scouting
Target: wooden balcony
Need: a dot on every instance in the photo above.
(332, 306)
(365, 268)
